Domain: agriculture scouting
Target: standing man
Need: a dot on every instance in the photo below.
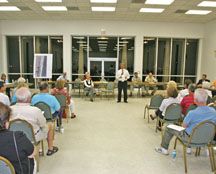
(122, 76)
(3, 98)
(63, 77)
(203, 79)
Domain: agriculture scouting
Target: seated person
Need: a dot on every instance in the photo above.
(206, 85)
(24, 146)
(192, 119)
(204, 79)
(172, 84)
(152, 81)
(5, 80)
(172, 94)
(60, 89)
(21, 82)
(89, 86)
(188, 99)
(50, 100)
(63, 77)
(185, 91)
(135, 82)
(3, 98)
(23, 110)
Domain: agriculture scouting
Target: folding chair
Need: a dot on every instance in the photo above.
(62, 99)
(5, 166)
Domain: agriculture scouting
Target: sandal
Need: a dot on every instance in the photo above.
(51, 152)
(73, 116)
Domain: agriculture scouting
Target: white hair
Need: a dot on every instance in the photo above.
(201, 95)
(21, 80)
(206, 85)
(23, 95)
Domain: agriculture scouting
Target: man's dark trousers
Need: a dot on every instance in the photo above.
(122, 86)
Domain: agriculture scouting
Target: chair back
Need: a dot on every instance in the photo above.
(61, 99)
(156, 101)
(110, 86)
(209, 100)
(213, 99)
(46, 109)
(203, 133)
(5, 166)
(23, 126)
(77, 83)
(191, 107)
(173, 112)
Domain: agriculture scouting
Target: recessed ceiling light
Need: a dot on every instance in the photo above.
(3, 1)
(103, 1)
(198, 12)
(207, 4)
(54, 8)
(9, 8)
(48, 0)
(159, 2)
(103, 9)
(151, 10)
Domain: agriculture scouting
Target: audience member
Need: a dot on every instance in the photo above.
(172, 94)
(8, 139)
(63, 77)
(188, 99)
(185, 91)
(152, 81)
(60, 89)
(50, 100)
(3, 98)
(89, 86)
(23, 110)
(172, 84)
(135, 83)
(207, 85)
(204, 79)
(192, 119)
(122, 76)
(5, 80)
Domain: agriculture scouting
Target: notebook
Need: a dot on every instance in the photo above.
(175, 127)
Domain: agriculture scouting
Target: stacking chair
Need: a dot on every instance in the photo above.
(27, 129)
(5, 166)
(172, 115)
(201, 136)
(109, 91)
(62, 99)
(155, 103)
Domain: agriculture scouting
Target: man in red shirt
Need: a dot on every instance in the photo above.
(188, 99)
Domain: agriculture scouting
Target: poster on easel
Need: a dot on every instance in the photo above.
(43, 66)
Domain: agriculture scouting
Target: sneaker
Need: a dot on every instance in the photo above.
(189, 151)
(162, 150)
(57, 128)
(62, 130)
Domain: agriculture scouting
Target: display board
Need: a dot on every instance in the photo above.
(43, 65)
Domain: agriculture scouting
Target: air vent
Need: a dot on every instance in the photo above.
(138, 1)
(23, 8)
(73, 8)
(180, 11)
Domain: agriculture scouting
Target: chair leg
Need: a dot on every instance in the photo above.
(196, 153)
(42, 147)
(157, 122)
(185, 158)
(148, 114)
(210, 158)
(213, 159)
(175, 144)
(37, 157)
(144, 112)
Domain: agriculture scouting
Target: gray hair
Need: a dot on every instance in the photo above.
(201, 95)
(192, 87)
(23, 95)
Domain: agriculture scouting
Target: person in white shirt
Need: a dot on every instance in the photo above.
(3, 98)
(207, 85)
(23, 110)
(151, 80)
(135, 82)
(122, 76)
(172, 94)
(185, 91)
(89, 86)
(62, 77)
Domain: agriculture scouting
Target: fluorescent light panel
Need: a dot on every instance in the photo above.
(103, 1)
(48, 0)
(54, 8)
(3, 1)
(151, 10)
(207, 4)
(9, 8)
(103, 9)
(159, 2)
(198, 12)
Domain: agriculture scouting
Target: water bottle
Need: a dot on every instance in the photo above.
(174, 155)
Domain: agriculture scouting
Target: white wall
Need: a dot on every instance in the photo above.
(209, 51)
(93, 27)
(1, 58)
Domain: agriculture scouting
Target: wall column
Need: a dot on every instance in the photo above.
(67, 51)
(81, 62)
